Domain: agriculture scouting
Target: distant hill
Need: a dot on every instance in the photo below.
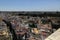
(34, 13)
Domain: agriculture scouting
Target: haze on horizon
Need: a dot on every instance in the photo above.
(29, 5)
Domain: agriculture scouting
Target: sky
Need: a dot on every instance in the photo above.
(29, 5)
